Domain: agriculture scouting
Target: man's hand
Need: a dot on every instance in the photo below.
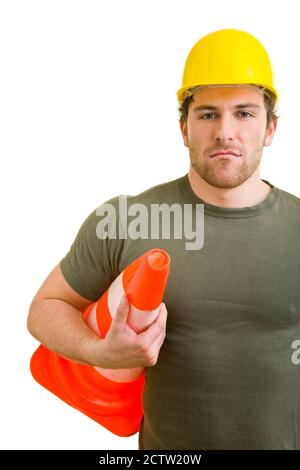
(123, 348)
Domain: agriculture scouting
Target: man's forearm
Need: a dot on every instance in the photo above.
(61, 328)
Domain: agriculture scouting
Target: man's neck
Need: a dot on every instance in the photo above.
(250, 193)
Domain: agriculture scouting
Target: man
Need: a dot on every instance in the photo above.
(220, 372)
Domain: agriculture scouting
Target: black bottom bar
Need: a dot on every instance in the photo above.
(136, 458)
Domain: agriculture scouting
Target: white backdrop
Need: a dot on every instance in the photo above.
(88, 111)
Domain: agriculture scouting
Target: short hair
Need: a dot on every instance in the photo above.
(269, 99)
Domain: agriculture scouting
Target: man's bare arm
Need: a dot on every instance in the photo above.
(55, 319)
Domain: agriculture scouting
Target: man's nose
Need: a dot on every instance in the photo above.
(225, 129)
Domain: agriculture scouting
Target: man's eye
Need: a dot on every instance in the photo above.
(245, 112)
(204, 116)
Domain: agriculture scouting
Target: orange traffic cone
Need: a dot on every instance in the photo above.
(112, 397)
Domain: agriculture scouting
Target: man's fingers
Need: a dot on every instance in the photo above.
(122, 312)
(156, 328)
(159, 341)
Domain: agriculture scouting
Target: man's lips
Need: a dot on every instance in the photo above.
(227, 152)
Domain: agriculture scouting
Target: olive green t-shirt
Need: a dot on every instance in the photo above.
(225, 378)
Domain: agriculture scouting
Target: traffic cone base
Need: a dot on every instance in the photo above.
(116, 406)
(112, 397)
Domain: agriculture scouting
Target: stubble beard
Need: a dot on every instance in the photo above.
(225, 173)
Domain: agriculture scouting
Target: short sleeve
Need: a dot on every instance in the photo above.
(89, 266)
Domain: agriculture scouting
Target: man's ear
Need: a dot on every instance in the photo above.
(183, 128)
(270, 132)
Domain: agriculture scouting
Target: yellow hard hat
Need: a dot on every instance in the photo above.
(224, 57)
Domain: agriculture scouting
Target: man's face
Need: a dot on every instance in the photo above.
(230, 119)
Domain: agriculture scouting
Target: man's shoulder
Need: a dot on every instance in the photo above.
(161, 188)
(161, 192)
(289, 198)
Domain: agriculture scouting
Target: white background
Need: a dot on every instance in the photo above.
(88, 111)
